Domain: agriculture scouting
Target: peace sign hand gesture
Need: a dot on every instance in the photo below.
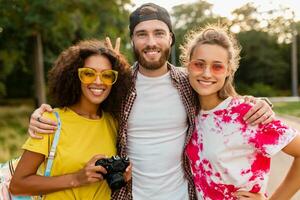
(109, 45)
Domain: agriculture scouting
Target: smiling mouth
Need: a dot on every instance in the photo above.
(97, 91)
(151, 52)
(206, 83)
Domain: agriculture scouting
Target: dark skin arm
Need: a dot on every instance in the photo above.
(26, 182)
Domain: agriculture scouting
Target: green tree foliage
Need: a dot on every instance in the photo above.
(245, 18)
(192, 16)
(277, 22)
(188, 16)
(60, 23)
(265, 38)
(265, 57)
(297, 27)
(262, 61)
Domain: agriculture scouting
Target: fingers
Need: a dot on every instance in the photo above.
(258, 117)
(39, 112)
(243, 198)
(93, 160)
(94, 171)
(46, 121)
(118, 44)
(88, 175)
(128, 173)
(41, 125)
(265, 118)
(34, 135)
(129, 168)
(108, 43)
(261, 112)
(270, 115)
(91, 173)
(47, 125)
(243, 195)
(45, 108)
(269, 119)
(249, 99)
(34, 128)
(254, 113)
(250, 113)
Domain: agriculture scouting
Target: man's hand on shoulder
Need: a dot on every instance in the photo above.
(261, 112)
(40, 124)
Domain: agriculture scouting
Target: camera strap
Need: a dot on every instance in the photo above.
(53, 146)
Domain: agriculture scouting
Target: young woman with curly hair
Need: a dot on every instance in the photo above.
(86, 85)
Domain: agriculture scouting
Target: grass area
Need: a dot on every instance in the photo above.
(13, 128)
(288, 108)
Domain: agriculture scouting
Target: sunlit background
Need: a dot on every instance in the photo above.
(224, 8)
(33, 33)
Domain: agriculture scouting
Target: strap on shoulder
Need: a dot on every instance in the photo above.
(53, 146)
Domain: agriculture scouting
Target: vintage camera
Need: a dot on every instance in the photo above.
(115, 167)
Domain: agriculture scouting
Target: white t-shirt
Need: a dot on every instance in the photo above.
(157, 128)
(228, 155)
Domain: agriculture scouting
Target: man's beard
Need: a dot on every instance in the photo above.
(152, 65)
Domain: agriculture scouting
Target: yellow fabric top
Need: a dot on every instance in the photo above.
(80, 139)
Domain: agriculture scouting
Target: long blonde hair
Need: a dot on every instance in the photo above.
(218, 35)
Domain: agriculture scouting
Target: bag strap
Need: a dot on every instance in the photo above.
(53, 146)
(12, 164)
(11, 167)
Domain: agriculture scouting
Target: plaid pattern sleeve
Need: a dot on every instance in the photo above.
(181, 83)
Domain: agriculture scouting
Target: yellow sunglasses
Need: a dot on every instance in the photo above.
(88, 75)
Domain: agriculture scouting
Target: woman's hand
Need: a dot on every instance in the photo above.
(90, 173)
(244, 195)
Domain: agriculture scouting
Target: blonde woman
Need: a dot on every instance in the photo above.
(229, 158)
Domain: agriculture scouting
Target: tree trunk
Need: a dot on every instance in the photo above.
(39, 79)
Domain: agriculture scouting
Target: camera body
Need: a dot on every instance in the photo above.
(115, 167)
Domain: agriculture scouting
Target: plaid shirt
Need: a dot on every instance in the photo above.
(181, 83)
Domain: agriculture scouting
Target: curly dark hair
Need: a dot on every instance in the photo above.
(64, 86)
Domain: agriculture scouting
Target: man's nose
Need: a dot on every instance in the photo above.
(151, 40)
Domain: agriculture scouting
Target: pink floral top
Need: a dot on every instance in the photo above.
(228, 155)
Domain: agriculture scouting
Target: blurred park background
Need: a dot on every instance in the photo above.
(34, 32)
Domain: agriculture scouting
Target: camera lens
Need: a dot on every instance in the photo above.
(116, 181)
